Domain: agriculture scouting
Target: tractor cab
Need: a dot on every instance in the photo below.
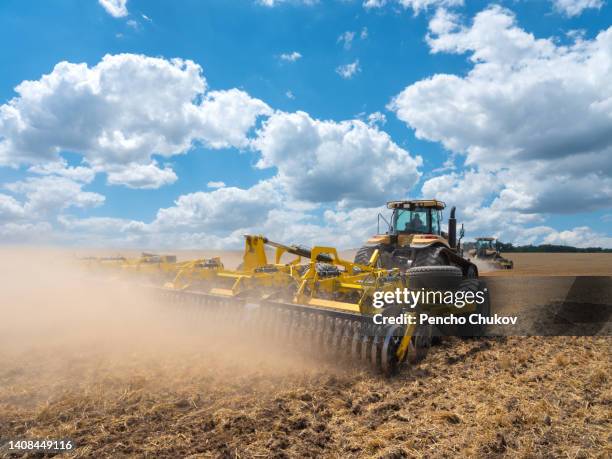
(485, 246)
(416, 217)
(417, 223)
(415, 238)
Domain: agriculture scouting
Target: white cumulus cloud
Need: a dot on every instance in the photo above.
(291, 57)
(120, 112)
(416, 5)
(116, 8)
(10, 209)
(581, 236)
(348, 71)
(61, 168)
(45, 196)
(144, 176)
(573, 8)
(326, 161)
(272, 3)
(346, 39)
(223, 210)
(532, 115)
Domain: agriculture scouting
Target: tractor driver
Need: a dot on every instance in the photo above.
(415, 224)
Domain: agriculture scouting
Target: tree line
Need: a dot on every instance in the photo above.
(550, 248)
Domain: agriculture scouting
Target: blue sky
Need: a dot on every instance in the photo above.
(396, 47)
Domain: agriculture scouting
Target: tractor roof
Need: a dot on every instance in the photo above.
(485, 238)
(432, 203)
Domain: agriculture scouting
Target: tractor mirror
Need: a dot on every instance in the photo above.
(461, 232)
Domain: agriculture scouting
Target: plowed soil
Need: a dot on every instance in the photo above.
(108, 369)
(555, 264)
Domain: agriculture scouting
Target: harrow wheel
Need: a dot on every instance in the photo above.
(420, 343)
(388, 359)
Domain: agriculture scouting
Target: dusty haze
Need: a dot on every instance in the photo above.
(103, 364)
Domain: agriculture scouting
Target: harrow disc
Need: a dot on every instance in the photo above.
(328, 336)
(375, 350)
(346, 339)
(319, 333)
(388, 359)
(356, 344)
(366, 344)
(420, 343)
(336, 340)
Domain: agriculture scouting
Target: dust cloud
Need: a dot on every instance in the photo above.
(484, 266)
(61, 323)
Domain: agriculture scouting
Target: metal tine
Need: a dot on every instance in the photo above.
(345, 341)
(312, 332)
(337, 337)
(356, 342)
(296, 329)
(366, 344)
(292, 328)
(308, 344)
(375, 355)
(321, 325)
(301, 327)
(304, 324)
(329, 336)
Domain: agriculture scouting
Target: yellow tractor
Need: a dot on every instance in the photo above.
(487, 249)
(414, 239)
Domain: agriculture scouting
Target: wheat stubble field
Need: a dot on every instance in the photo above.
(107, 367)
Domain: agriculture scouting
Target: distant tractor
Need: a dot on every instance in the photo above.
(414, 239)
(487, 249)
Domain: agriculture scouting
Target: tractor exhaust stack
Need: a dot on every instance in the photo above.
(452, 229)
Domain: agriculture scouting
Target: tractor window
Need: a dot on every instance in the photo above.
(411, 221)
(435, 222)
(484, 244)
